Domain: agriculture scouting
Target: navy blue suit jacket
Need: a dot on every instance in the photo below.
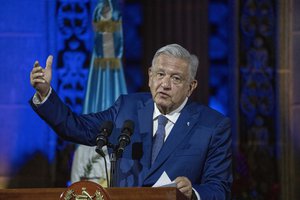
(198, 147)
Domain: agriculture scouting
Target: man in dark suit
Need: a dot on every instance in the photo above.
(196, 140)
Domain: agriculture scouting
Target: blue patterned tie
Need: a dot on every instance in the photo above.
(159, 137)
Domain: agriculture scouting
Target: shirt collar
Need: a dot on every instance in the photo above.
(172, 116)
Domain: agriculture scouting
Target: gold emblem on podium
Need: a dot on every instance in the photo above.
(85, 190)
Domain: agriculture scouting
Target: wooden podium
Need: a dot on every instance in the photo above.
(134, 193)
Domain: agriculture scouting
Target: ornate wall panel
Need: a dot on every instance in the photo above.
(256, 170)
(74, 49)
(74, 44)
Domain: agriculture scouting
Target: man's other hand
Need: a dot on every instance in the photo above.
(184, 185)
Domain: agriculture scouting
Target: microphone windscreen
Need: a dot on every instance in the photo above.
(129, 125)
(107, 127)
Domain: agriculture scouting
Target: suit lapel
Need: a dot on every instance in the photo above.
(182, 127)
(145, 115)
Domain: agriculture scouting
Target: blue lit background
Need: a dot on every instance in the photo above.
(28, 32)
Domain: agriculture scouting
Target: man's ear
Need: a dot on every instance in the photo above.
(192, 87)
(150, 71)
(149, 75)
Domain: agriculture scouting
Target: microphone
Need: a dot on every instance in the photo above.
(124, 138)
(101, 139)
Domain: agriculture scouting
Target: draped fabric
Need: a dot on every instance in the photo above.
(106, 78)
(105, 83)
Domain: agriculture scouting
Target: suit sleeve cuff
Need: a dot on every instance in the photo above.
(195, 195)
(36, 100)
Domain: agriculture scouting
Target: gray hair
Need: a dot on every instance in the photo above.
(178, 51)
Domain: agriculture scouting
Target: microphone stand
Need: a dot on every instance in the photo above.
(113, 166)
(113, 158)
(117, 151)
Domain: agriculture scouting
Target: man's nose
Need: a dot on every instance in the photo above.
(166, 82)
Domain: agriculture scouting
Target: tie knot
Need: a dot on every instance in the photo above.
(162, 120)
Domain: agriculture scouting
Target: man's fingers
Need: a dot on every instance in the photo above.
(181, 180)
(184, 185)
(40, 77)
(184, 189)
(49, 62)
(35, 81)
(39, 80)
(36, 64)
(37, 73)
(36, 69)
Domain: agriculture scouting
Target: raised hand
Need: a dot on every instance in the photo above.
(40, 78)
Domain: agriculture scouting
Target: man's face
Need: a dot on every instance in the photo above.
(170, 83)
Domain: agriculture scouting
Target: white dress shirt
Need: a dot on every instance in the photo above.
(172, 118)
